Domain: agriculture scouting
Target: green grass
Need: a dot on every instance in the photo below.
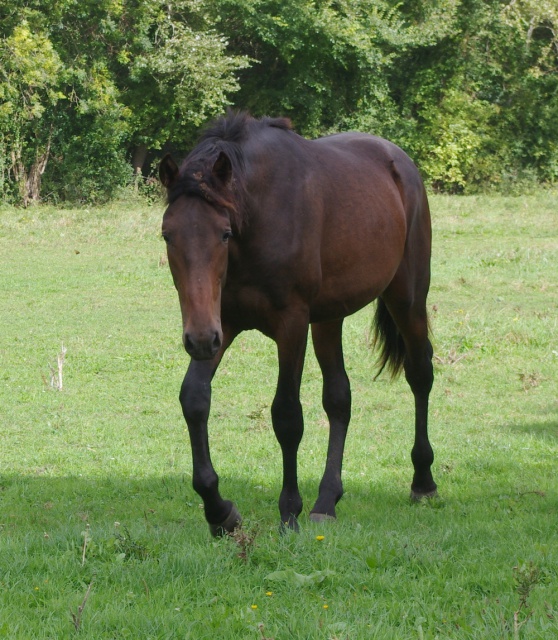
(95, 489)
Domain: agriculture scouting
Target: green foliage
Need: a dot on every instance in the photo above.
(319, 62)
(468, 87)
(465, 86)
(483, 99)
(89, 165)
(179, 75)
(110, 75)
(30, 72)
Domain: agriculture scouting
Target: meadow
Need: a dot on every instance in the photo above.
(101, 533)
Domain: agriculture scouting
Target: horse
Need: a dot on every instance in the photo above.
(270, 231)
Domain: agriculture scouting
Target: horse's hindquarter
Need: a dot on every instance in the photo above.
(363, 223)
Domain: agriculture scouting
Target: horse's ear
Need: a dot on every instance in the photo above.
(222, 169)
(168, 170)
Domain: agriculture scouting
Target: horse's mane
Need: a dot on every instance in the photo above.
(224, 135)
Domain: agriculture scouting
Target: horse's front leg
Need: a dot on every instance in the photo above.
(286, 411)
(195, 399)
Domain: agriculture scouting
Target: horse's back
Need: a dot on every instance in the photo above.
(379, 159)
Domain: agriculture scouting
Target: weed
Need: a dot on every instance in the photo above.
(86, 540)
(259, 418)
(450, 358)
(56, 374)
(526, 577)
(262, 634)
(244, 539)
(77, 617)
(530, 380)
(128, 547)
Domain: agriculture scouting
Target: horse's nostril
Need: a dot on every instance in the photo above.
(216, 341)
(188, 344)
(203, 348)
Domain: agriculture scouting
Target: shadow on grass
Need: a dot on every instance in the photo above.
(546, 427)
(47, 504)
(30, 503)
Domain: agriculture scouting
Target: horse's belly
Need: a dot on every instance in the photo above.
(338, 302)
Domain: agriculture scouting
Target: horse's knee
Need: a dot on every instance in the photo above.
(195, 398)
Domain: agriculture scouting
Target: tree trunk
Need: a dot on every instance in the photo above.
(33, 182)
(30, 183)
(138, 160)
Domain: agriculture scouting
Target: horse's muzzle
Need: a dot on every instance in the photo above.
(203, 347)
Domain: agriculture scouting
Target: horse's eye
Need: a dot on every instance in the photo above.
(165, 237)
(227, 235)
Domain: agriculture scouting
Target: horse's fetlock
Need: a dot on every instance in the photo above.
(290, 504)
(205, 483)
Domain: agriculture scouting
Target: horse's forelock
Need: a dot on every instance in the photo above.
(225, 135)
(196, 179)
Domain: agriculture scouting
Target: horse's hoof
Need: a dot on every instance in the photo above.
(417, 496)
(321, 517)
(289, 526)
(229, 524)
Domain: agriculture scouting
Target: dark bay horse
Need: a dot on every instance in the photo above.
(267, 230)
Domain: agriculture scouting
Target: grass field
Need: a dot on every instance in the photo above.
(101, 534)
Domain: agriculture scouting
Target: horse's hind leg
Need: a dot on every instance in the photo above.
(411, 320)
(327, 339)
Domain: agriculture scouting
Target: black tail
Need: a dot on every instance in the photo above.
(388, 338)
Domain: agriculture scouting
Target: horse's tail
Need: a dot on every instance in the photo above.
(388, 338)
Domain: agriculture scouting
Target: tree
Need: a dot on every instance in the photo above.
(30, 73)
(103, 76)
(321, 62)
(468, 87)
(175, 72)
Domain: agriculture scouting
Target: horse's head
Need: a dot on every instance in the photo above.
(197, 228)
